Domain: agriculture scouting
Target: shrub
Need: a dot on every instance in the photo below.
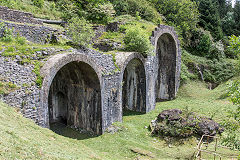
(137, 40)
(80, 31)
(216, 51)
(232, 124)
(38, 3)
(218, 71)
(185, 75)
(102, 13)
(141, 8)
(67, 8)
(234, 45)
(204, 45)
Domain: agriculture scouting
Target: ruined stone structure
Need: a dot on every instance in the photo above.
(91, 90)
(85, 90)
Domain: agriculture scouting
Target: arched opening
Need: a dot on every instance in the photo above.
(166, 52)
(134, 87)
(75, 98)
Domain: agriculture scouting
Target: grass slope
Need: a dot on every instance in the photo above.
(22, 139)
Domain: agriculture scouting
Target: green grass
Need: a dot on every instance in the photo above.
(22, 139)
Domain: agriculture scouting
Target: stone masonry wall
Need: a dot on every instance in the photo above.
(26, 95)
(33, 33)
(17, 16)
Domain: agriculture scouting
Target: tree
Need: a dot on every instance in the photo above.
(236, 15)
(182, 14)
(228, 24)
(210, 18)
(225, 6)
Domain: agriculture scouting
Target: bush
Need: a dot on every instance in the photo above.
(185, 75)
(232, 124)
(219, 71)
(139, 8)
(102, 13)
(67, 8)
(204, 45)
(216, 51)
(38, 3)
(234, 45)
(137, 40)
(80, 31)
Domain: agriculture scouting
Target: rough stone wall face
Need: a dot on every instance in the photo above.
(33, 33)
(17, 16)
(26, 96)
(111, 109)
(151, 73)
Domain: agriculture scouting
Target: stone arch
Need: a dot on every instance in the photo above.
(133, 80)
(168, 58)
(71, 92)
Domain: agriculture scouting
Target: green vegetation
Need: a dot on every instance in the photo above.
(18, 135)
(133, 33)
(214, 71)
(234, 46)
(42, 9)
(182, 14)
(37, 67)
(137, 40)
(80, 31)
(232, 123)
(137, 8)
(38, 3)
(7, 87)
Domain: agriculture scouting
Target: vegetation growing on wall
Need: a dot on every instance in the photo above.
(7, 87)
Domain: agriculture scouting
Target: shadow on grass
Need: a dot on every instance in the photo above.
(132, 113)
(66, 131)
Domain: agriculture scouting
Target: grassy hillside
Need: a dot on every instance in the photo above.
(22, 139)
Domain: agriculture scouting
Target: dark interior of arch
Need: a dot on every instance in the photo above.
(166, 51)
(75, 98)
(134, 87)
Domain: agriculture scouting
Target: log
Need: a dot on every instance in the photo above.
(51, 21)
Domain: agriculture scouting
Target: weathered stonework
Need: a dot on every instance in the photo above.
(17, 16)
(168, 62)
(34, 33)
(85, 89)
